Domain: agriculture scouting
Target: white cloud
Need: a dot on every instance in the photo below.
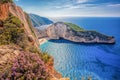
(16, 0)
(114, 5)
(81, 1)
(74, 7)
(77, 8)
(69, 7)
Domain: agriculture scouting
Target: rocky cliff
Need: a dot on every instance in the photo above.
(73, 33)
(16, 28)
(7, 9)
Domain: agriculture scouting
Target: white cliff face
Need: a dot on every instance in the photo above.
(61, 30)
(57, 30)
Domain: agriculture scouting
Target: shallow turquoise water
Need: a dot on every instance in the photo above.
(98, 61)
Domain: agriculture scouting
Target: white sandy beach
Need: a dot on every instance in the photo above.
(42, 41)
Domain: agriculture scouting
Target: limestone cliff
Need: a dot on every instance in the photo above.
(62, 30)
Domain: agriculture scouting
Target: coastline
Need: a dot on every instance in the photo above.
(42, 41)
(54, 74)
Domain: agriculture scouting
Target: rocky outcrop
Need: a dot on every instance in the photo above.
(4, 11)
(61, 30)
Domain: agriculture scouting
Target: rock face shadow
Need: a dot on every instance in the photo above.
(61, 40)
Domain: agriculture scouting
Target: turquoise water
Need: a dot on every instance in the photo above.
(83, 61)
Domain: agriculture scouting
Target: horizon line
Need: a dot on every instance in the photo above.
(74, 15)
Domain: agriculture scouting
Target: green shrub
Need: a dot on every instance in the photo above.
(45, 57)
(10, 35)
(33, 49)
(7, 24)
(12, 31)
(74, 27)
(12, 21)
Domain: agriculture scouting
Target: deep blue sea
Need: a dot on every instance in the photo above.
(83, 61)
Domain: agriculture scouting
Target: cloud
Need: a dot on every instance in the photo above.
(68, 7)
(16, 0)
(114, 5)
(81, 1)
(72, 7)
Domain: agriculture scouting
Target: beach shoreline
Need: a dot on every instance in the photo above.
(42, 41)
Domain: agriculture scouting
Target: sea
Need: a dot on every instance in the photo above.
(79, 61)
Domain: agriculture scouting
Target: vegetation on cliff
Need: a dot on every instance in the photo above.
(12, 31)
(6, 1)
(27, 66)
(12, 21)
(45, 57)
(88, 34)
(74, 27)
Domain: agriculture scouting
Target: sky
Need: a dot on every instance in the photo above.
(66, 8)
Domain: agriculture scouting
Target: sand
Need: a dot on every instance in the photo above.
(42, 41)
